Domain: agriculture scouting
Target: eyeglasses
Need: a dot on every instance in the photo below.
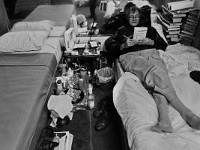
(134, 17)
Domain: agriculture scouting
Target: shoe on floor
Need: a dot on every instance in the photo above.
(99, 110)
(102, 122)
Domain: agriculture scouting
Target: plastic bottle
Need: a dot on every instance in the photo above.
(90, 88)
(91, 101)
(74, 24)
(94, 76)
(89, 77)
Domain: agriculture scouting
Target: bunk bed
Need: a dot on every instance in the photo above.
(28, 63)
(137, 109)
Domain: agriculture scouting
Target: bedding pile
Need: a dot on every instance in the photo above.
(138, 110)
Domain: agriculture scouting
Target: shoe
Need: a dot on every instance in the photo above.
(102, 122)
(63, 122)
(99, 110)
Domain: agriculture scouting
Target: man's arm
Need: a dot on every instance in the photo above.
(159, 42)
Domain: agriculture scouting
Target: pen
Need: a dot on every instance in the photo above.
(127, 36)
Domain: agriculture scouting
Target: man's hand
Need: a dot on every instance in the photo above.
(129, 42)
(145, 41)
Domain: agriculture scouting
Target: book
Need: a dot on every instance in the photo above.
(172, 35)
(192, 31)
(175, 39)
(187, 26)
(186, 32)
(139, 33)
(195, 13)
(191, 24)
(171, 29)
(165, 24)
(171, 32)
(170, 21)
(186, 36)
(193, 18)
(172, 14)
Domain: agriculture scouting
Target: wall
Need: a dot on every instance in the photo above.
(197, 3)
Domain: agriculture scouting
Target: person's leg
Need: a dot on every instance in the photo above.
(162, 84)
(164, 122)
(92, 5)
(157, 77)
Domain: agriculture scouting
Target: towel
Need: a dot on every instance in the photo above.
(60, 104)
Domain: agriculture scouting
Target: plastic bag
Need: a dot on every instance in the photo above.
(105, 75)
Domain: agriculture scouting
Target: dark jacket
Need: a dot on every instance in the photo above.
(114, 43)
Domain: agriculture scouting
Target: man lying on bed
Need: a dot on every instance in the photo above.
(142, 59)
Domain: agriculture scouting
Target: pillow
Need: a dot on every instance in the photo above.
(22, 41)
(45, 25)
(58, 31)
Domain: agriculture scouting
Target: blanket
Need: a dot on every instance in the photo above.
(139, 112)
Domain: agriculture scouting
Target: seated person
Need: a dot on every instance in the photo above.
(142, 59)
(118, 19)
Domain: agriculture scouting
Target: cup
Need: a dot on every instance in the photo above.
(83, 71)
(80, 51)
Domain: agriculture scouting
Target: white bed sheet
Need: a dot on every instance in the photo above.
(139, 113)
(51, 45)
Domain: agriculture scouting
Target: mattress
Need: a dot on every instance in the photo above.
(25, 81)
(58, 33)
(60, 14)
(138, 110)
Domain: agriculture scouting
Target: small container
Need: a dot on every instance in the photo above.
(59, 87)
(70, 72)
(63, 69)
(83, 71)
(80, 83)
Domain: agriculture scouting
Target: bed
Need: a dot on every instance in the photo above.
(26, 82)
(28, 63)
(138, 111)
(60, 14)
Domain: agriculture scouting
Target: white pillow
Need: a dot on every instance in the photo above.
(45, 25)
(22, 41)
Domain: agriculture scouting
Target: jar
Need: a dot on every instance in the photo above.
(83, 71)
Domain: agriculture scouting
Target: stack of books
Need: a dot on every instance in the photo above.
(188, 28)
(171, 22)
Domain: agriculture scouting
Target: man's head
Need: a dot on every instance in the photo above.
(133, 15)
